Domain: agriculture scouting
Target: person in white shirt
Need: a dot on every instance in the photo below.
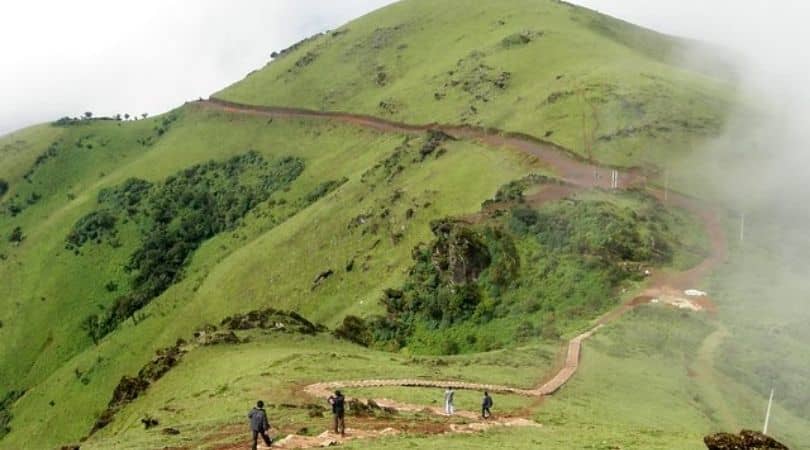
(448, 401)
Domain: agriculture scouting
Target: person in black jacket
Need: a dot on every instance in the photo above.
(259, 424)
(338, 412)
(486, 404)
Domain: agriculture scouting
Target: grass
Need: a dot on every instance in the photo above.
(274, 368)
(261, 263)
(596, 85)
(760, 292)
(634, 390)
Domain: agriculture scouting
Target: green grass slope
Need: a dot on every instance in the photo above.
(594, 84)
(220, 229)
(271, 258)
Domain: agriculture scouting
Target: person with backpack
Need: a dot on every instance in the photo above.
(259, 425)
(338, 403)
(486, 404)
(449, 409)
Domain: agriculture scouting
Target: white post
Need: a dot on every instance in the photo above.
(768, 414)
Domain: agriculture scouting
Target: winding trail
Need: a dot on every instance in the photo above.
(576, 174)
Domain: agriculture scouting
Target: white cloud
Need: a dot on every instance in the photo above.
(63, 58)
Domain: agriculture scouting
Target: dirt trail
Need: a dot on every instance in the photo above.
(569, 166)
(577, 174)
(704, 371)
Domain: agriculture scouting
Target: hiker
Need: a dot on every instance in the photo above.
(448, 401)
(486, 404)
(338, 412)
(259, 425)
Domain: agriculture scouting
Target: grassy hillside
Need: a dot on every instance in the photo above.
(596, 85)
(124, 245)
(51, 288)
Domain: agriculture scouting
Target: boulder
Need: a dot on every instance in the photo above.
(459, 253)
(746, 440)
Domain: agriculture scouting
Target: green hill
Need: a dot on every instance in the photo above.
(138, 259)
(596, 85)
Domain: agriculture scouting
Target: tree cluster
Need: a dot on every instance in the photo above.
(175, 217)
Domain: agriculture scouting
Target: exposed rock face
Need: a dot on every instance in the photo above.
(746, 440)
(459, 254)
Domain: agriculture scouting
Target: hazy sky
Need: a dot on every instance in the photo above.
(151, 55)
(65, 57)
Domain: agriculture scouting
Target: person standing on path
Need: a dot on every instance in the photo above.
(259, 425)
(338, 412)
(448, 401)
(486, 404)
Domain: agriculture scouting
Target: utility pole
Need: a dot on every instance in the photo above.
(742, 227)
(768, 414)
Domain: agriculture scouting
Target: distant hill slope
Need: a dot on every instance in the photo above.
(119, 238)
(597, 85)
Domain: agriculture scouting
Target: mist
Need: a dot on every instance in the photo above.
(759, 162)
(755, 173)
(65, 58)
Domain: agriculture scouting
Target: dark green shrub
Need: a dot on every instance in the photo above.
(323, 189)
(92, 227)
(354, 329)
(16, 235)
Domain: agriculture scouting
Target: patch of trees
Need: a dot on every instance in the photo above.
(445, 286)
(93, 227)
(576, 253)
(175, 217)
(126, 197)
(3, 187)
(595, 229)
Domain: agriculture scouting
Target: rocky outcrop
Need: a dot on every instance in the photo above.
(746, 440)
(459, 254)
(130, 388)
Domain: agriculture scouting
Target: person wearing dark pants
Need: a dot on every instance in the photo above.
(486, 405)
(338, 412)
(259, 425)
